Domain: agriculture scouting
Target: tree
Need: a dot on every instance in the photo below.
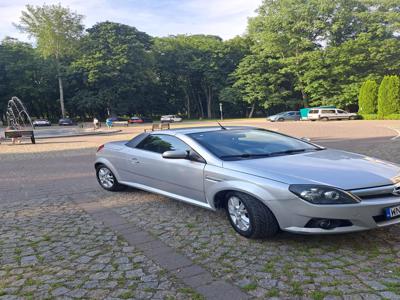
(319, 51)
(389, 96)
(368, 97)
(25, 74)
(56, 30)
(193, 69)
(116, 67)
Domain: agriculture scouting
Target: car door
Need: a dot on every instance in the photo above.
(328, 113)
(341, 114)
(181, 177)
(290, 116)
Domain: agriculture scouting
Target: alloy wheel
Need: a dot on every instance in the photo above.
(106, 178)
(238, 213)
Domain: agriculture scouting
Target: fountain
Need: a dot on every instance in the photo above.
(18, 120)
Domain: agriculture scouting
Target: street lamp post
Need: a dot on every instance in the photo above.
(220, 109)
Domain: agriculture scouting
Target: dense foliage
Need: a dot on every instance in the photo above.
(368, 97)
(56, 30)
(389, 96)
(295, 53)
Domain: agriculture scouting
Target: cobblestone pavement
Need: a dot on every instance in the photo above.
(51, 248)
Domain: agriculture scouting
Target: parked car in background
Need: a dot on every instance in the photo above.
(117, 119)
(139, 120)
(66, 122)
(285, 116)
(41, 122)
(170, 119)
(327, 114)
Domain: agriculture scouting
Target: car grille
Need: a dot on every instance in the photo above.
(375, 192)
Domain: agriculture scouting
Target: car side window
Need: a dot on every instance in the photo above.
(161, 142)
(291, 114)
(339, 111)
(328, 111)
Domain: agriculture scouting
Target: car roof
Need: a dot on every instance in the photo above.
(190, 130)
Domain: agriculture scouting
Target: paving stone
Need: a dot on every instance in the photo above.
(59, 291)
(29, 260)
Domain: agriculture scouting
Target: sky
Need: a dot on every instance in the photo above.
(225, 18)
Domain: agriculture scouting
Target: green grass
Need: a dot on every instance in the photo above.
(318, 295)
(249, 287)
(296, 289)
(190, 225)
(191, 293)
(127, 295)
(393, 286)
(268, 267)
(274, 292)
(31, 281)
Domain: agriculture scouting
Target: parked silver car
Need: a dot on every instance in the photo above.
(327, 114)
(285, 116)
(265, 181)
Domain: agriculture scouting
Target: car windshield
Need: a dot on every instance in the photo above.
(236, 144)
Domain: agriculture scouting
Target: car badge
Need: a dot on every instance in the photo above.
(396, 190)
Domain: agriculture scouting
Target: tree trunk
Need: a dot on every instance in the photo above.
(200, 106)
(253, 106)
(187, 104)
(305, 100)
(60, 86)
(209, 103)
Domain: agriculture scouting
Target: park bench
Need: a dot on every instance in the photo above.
(19, 134)
(157, 126)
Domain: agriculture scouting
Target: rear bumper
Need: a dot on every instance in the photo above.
(293, 215)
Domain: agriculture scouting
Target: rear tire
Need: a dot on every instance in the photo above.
(107, 179)
(249, 217)
(324, 119)
(352, 118)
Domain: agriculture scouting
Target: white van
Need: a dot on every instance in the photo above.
(326, 114)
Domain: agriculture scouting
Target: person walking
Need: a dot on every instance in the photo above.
(95, 123)
(109, 123)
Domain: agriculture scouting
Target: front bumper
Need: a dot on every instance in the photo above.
(294, 214)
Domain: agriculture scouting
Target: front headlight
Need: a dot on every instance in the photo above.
(321, 194)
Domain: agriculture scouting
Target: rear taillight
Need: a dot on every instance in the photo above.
(100, 147)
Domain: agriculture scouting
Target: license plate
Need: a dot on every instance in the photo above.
(392, 212)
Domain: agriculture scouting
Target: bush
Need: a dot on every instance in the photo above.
(368, 97)
(377, 117)
(389, 96)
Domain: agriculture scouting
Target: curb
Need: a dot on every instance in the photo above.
(82, 134)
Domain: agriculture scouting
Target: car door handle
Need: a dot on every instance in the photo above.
(134, 160)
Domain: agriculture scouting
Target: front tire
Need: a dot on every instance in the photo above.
(249, 217)
(107, 179)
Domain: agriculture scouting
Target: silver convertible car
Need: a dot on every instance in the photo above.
(265, 181)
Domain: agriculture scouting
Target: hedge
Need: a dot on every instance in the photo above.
(368, 97)
(389, 96)
(377, 117)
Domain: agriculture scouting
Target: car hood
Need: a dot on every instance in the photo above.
(337, 168)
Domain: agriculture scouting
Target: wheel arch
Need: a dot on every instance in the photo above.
(217, 193)
(103, 161)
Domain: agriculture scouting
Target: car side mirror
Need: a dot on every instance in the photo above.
(177, 154)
